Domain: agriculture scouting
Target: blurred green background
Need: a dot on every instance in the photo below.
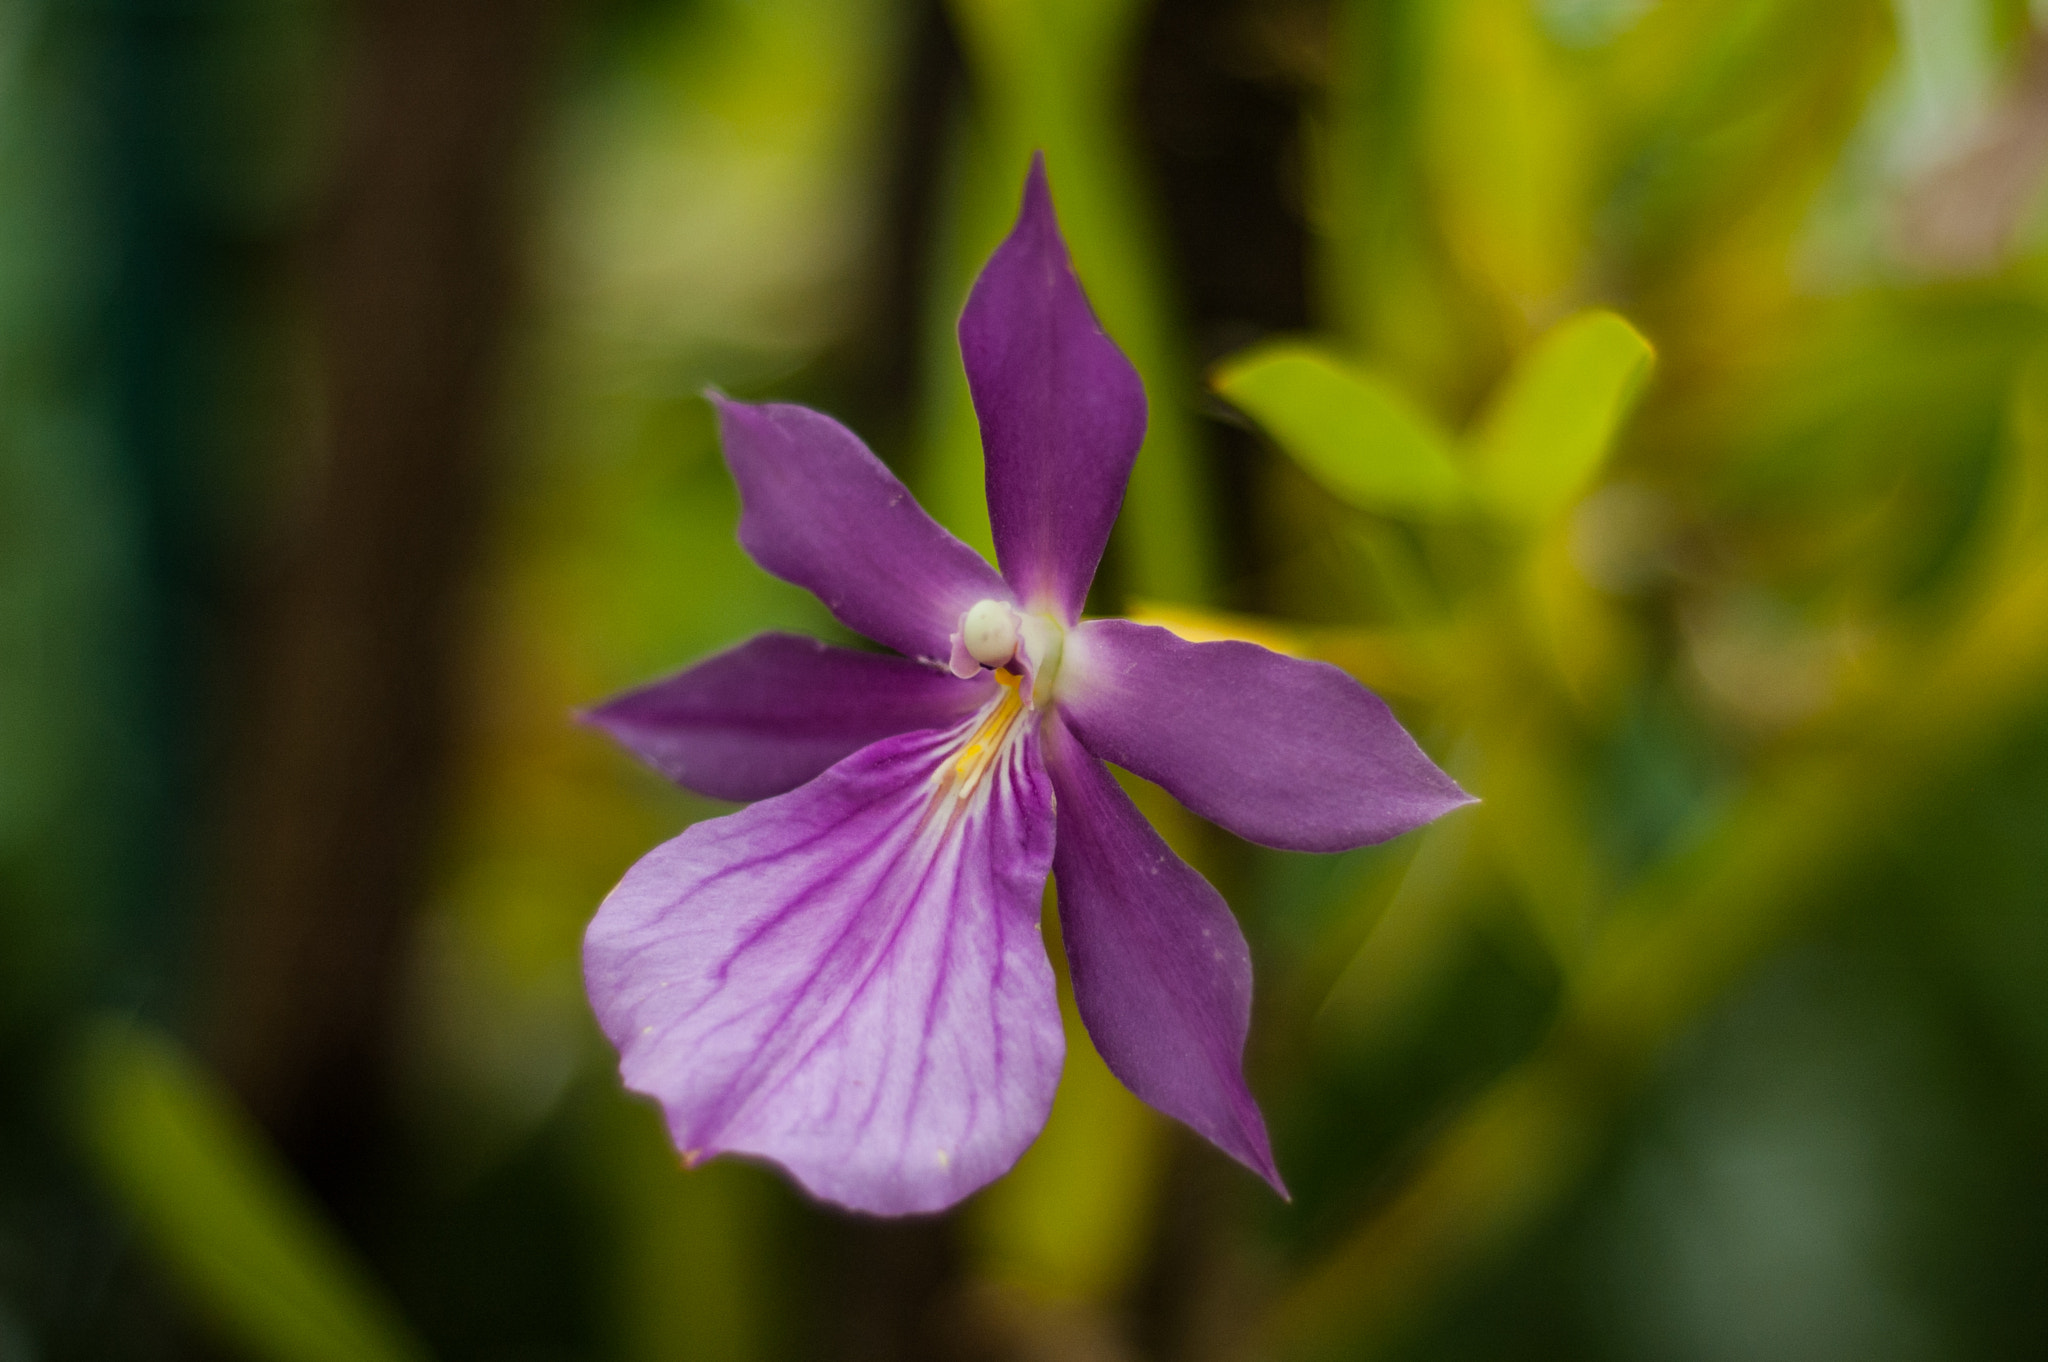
(1648, 397)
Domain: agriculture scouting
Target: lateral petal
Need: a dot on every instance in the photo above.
(1062, 411)
(1162, 975)
(822, 511)
(764, 717)
(848, 979)
(1282, 752)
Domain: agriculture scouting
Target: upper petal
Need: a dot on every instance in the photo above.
(822, 511)
(1283, 752)
(848, 979)
(763, 718)
(1062, 411)
(1162, 976)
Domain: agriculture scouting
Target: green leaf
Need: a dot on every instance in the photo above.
(1553, 421)
(223, 1212)
(1352, 431)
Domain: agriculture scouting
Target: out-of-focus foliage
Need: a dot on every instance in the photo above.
(223, 1214)
(1667, 441)
(1353, 431)
(1550, 426)
(1539, 443)
(715, 190)
(1705, 690)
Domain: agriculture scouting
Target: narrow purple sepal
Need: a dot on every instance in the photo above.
(1162, 975)
(763, 718)
(848, 979)
(820, 510)
(1062, 411)
(1282, 752)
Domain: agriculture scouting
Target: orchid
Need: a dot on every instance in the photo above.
(847, 977)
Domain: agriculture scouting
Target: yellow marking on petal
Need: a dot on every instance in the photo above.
(942, 1158)
(1197, 625)
(1406, 664)
(691, 1156)
(988, 739)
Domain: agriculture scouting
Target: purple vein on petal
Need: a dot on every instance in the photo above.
(827, 980)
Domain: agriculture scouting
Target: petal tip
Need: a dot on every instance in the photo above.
(1254, 1150)
(1454, 798)
(1037, 187)
(726, 406)
(1038, 222)
(1273, 1179)
(600, 717)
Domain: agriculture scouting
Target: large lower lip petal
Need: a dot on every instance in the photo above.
(848, 979)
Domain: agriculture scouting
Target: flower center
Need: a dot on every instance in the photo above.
(1043, 644)
(996, 634)
(989, 632)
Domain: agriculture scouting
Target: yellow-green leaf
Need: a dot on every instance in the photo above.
(1555, 418)
(1508, 151)
(222, 1211)
(1352, 431)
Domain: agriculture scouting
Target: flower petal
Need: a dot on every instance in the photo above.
(763, 718)
(848, 979)
(821, 511)
(1062, 411)
(1280, 751)
(1161, 973)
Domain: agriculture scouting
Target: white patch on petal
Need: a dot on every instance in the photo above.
(1043, 649)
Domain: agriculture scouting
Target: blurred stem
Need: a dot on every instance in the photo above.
(1069, 1223)
(1383, 285)
(344, 723)
(689, 1277)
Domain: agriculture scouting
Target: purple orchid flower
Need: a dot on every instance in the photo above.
(847, 977)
